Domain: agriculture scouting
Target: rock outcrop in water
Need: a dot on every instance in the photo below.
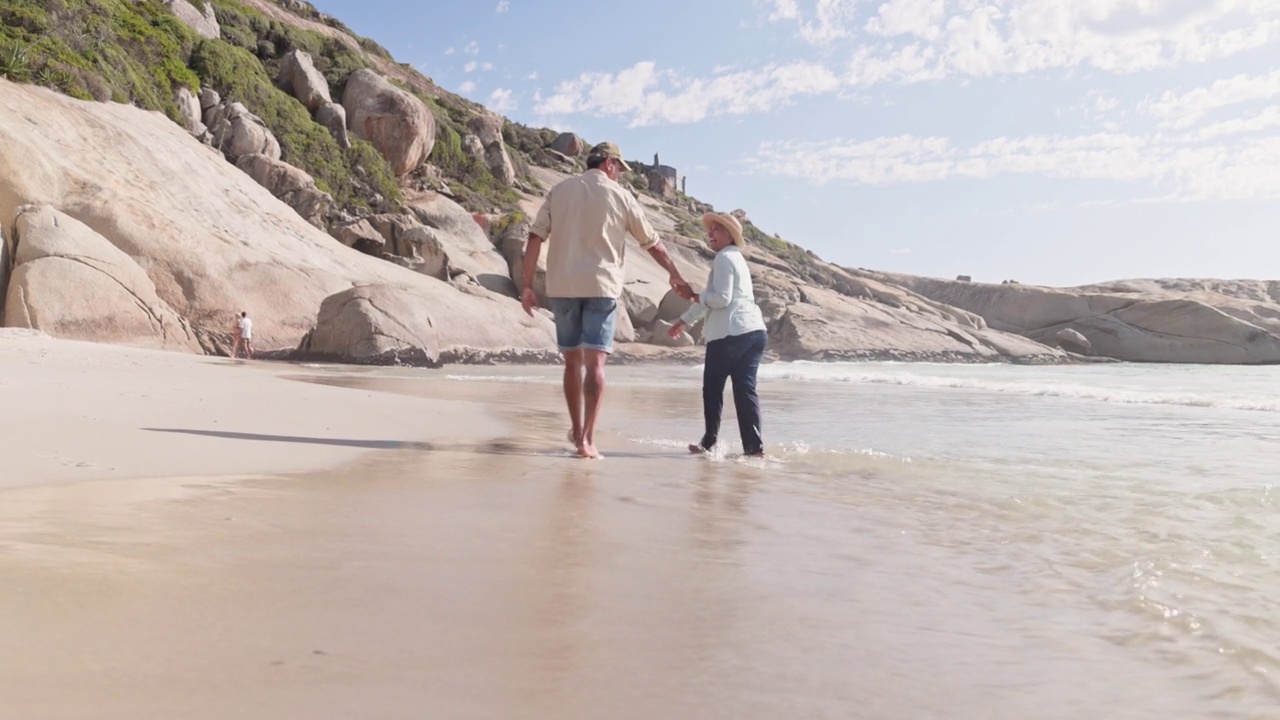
(1171, 321)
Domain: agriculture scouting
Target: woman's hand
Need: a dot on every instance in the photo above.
(676, 329)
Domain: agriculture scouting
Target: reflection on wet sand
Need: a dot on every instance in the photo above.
(502, 577)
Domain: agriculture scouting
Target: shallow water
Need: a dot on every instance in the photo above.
(1094, 541)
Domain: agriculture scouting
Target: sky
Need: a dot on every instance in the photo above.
(1055, 142)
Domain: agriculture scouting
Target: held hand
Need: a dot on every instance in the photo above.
(675, 330)
(684, 290)
(528, 300)
(679, 285)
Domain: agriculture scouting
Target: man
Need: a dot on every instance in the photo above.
(246, 334)
(585, 221)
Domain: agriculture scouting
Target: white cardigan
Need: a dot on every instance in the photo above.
(728, 302)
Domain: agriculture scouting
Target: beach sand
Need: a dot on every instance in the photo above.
(193, 537)
(201, 538)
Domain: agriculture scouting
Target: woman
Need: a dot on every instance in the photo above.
(735, 336)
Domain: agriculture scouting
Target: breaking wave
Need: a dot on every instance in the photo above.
(800, 372)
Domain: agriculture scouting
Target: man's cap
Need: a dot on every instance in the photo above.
(608, 150)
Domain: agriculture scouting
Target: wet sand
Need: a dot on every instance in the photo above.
(450, 559)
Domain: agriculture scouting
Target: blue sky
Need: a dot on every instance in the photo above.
(1057, 142)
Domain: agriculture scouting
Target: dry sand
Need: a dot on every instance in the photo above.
(190, 537)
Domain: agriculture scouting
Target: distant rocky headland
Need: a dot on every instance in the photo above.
(194, 162)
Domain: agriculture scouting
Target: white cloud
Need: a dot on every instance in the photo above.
(922, 18)
(533, 75)
(472, 48)
(486, 66)
(829, 21)
(1184, 110)
(651, 97)
(503, 6)
(1249, 170)
(986, 38)
(784, 10)
(470, 66)
(467, 87)
(450, 51)
(501, 100)
(917, 41)
(1267, 119)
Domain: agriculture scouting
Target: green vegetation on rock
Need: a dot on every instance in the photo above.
(131, 52)
(352, 177)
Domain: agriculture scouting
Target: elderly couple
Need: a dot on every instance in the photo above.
(585, 220)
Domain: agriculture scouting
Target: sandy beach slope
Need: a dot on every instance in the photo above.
(75, 412)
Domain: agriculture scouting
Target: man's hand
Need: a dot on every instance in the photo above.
(528, 300)
(676, 329)
(682, 288)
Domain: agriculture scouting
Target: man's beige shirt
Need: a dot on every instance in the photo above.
(585, 221)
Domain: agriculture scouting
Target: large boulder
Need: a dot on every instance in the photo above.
(300, 78)
(361, 235)
(203, 21)
(412, 245)
(568, 144)
(238, 132)
(399, 325)
(488, 128)
(398, 124)
(467, 244)
(189, 109)
(334, 119)
(512, 247)
(71, 282)
(828, 325)
(292, 185)
(640, 308)
(210, 101)
(672, 306)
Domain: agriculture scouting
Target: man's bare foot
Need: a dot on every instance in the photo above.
(696, 449)
(588, 450)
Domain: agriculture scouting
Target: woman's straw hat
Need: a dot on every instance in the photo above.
(728, 222)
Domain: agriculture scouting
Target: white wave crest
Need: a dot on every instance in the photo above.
(1072, 391)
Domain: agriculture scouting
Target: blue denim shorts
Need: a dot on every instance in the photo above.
(584, 323)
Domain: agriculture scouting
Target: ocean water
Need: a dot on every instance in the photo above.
(1097, 541)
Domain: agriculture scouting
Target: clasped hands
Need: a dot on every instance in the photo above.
(682, 288)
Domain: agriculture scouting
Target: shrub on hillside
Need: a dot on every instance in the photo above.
(134, 52)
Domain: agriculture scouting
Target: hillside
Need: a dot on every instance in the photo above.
(258, 155)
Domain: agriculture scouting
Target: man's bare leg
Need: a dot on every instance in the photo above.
(593, 394)
(573, 393)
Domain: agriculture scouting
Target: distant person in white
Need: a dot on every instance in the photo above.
(735, 333)
(244, 337)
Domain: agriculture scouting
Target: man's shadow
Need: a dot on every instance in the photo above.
(497, 446)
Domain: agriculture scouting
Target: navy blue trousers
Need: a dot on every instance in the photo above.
(737, 357)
